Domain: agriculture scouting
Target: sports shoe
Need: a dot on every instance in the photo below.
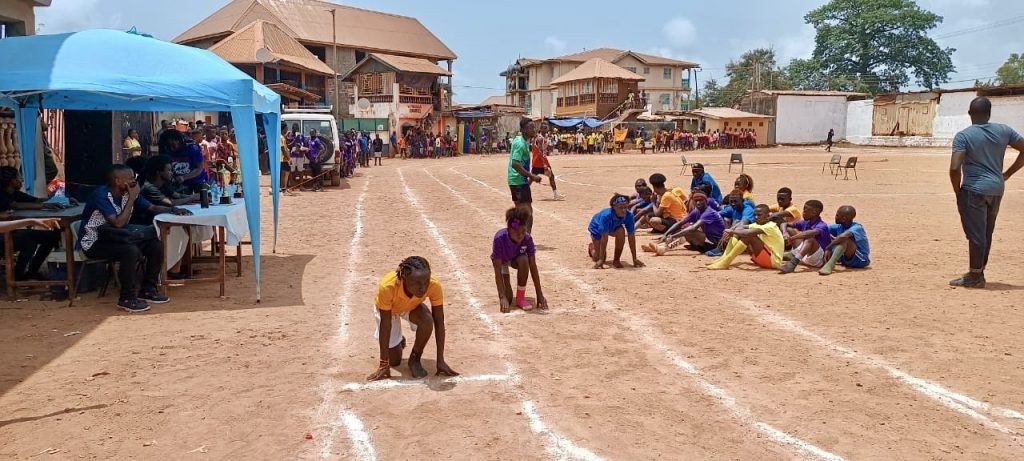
(558, 196)
(715, 253)
(968, 282)
(153, 297)
(789, 267)
(132, 305)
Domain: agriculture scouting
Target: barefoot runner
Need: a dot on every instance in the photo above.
(400, 296)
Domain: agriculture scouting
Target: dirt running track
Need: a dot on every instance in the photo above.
(666, 362)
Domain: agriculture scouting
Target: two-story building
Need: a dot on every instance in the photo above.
(666, 81)
(341, 37)
(18, 17)
(597, 88)
(405, 92)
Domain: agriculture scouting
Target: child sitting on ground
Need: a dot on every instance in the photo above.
(644, 208)
(745, 183)
(736, 215)
(849, 245)
(701, 229)
(784, 212)
(400, 295)
(762, 239)
(513, 248)
(671, 205)
(616, 221)
(808, 237)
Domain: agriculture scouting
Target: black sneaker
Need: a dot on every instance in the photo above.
(153, 297)
(968, 282)
(132, 305)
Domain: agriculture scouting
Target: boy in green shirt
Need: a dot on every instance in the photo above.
(519, 176)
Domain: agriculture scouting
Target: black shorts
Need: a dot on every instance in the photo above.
(706, 246)
(521, 194)
(668, 222)
(286, 167)
(538, 170)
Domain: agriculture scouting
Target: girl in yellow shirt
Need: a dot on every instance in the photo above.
(400, 295)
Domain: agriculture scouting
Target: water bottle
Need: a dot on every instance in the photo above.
(204, 196)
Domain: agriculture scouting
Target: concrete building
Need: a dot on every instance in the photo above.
(18, 17)
(801, 117)
(725, 119)
(666, 81)
(339, 36)
(399, 91)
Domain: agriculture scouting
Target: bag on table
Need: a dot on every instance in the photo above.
(131, 233)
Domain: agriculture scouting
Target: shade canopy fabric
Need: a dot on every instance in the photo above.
(588, 122)
(114, 70)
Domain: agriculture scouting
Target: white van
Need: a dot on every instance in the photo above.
(321, 120)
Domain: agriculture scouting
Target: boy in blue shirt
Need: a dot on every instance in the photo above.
(849, 242)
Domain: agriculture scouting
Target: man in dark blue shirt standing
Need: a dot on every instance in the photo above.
(976, 172)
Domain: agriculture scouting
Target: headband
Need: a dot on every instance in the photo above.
(514, 224)
(619, 199)
(697, 195)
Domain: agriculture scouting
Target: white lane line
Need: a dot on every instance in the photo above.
(645, 332)
(395, 383)
(357, 432)
(537, 209)
(951, 399)
(557, 445)
(327, 410)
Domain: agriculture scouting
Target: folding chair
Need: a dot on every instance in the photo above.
(734, 159)
(59, 256)
(686, 164)
(851, 164)
(832, 164)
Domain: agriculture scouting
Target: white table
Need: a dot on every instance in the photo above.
(229, 222)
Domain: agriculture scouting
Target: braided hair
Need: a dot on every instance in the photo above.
(412, 264)
(517, 214)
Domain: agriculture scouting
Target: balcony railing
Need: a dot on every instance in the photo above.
(410, 99)
(587, 99)
(379, 98)
(608, 98)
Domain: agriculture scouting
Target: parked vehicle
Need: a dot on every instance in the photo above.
(321, 120)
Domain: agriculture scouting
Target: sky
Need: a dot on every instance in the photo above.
(488, 36)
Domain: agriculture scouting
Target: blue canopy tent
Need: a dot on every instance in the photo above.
(114, 70)
(587, 122)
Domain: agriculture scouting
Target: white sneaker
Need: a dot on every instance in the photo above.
(558, 196)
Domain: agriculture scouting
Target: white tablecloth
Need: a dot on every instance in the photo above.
(231, 217)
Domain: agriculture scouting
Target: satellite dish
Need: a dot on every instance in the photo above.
(363, 104)
(264, 55)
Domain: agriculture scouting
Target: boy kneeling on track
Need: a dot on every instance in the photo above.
(400, 296)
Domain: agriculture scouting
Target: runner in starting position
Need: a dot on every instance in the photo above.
(513, 248)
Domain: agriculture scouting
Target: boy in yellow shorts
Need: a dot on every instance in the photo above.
(762, 239)
(400, 296)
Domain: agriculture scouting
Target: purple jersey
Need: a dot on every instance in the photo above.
(711, 222)
(506, 250)
(823, 238)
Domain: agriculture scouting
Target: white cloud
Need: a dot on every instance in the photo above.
(662, 51)
(555, 43)
(76, 16)
(800, 45)
(680, 31)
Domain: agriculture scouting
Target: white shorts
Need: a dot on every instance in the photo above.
(298, 163)
(396, 327)
(376, 154)
(816, 259)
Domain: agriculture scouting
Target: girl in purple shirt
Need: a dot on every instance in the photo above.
(513, 247)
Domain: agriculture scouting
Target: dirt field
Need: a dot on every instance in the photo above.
(666, 362)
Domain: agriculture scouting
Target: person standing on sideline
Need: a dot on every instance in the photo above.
(831, 133)
(976, 172)
(378, 150)
(519, 175)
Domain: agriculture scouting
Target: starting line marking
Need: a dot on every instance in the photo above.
(395, 383)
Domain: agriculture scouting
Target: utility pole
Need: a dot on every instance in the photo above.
(334, 40)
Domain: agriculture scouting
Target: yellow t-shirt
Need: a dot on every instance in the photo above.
(132, 146)
(747, 195)
(391, 296)
(674, 201)
(795, 214)
(284, 151)
(772, 239)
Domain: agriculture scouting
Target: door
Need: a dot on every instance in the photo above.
(903, 120)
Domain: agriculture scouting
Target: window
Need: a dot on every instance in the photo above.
(647, 71)
(665, 98)
(587, 87)
(609, 85)
(750, 123)
(760, 123)
(631, 69)
(668, 73)
(727, 124)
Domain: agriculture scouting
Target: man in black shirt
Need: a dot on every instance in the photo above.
(33, 246)
(378, 150)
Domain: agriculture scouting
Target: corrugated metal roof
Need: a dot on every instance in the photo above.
(725, 113)
(494, 101)
(597, 68)
(310, 21)
(614, 55)
(811, 93)
(407, 64)
(241, 47)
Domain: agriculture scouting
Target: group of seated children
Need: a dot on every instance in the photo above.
(779, 236)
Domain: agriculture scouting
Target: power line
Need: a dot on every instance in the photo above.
(982, 27)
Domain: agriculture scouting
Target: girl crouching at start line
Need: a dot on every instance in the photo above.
(615, 221)
(513, 248)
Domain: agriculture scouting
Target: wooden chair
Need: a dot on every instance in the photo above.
(686, 164)
(59, 256)
(851, 164)
(734, 159)
(832, 164)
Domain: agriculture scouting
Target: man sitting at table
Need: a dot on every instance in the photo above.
(112, 205)
(32, 246)
(159, 190)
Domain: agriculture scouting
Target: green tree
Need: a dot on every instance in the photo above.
(710, 95)
(1012, 71)
(755, 70)
(880, 43)
(809, 74)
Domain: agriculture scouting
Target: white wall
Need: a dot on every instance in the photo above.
(807, 119)
(951, 114)
(1008, 110)
(858, 120)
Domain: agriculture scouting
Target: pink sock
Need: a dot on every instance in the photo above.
(521, 297)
